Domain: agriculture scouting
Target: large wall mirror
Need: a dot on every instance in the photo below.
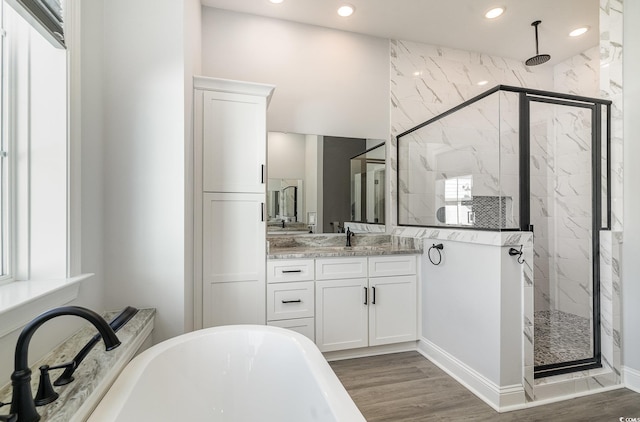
(318, 183)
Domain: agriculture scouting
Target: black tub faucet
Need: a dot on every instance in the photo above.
(22, 402)
(349, 234)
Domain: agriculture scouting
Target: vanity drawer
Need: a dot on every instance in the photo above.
(284, 270)
(338, 268)
(290, 300)
(304, 326)
(389, 265)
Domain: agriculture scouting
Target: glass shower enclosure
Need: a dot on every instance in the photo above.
(523, 160)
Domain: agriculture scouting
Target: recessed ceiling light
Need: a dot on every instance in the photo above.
(494, 13)
(481, 83)
(578, 31)
(346, 10)
(276, 1)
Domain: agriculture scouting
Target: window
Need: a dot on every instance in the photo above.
(33, 157)
(458, 201)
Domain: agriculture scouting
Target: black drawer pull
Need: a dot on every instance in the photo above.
(373, 302)
(291, 271)
(366, 291)
(292, 301)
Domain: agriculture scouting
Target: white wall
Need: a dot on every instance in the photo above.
(286, 155)
(631, 246)
(328, 82)
(144, 158)
(471, 308)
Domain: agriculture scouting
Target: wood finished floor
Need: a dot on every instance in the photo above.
(407, 387)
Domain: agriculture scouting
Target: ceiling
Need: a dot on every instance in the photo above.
(450, 23)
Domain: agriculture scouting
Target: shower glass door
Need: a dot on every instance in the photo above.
(565, 215)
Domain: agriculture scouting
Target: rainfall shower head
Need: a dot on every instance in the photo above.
(538, 58)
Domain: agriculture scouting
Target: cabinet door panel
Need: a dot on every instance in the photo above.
(393, 317)
(304, 326)
(234, 142)
(341, 314)
(238, 302)
(233, 251)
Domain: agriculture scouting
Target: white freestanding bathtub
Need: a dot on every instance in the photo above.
(233, 373)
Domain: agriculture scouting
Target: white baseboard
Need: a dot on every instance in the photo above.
(501, 399)
(631, 378)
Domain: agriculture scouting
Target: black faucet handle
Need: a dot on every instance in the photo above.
(9, 418)
(46, 394)
(67, 375)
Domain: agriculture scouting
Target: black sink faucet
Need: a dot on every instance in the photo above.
(349, 234)
(22, 403)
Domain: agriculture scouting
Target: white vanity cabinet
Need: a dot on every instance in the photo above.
(290, 295)
(234, 134)
(233, 251)
(229, 201)
(342, 314)
(378, 306)
(393, 310)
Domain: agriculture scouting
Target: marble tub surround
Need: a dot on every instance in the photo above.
(333, 245)
(94, 375)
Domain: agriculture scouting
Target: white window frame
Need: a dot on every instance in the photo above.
(21, 301)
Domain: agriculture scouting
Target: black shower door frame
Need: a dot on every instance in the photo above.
(595, 105)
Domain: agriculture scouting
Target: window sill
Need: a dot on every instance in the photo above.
(21, 301)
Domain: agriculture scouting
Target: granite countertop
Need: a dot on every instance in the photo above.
(94, 375)
(333, 245)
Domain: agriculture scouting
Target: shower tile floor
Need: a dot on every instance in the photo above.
(561, 337)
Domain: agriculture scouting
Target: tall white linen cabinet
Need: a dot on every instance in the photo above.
(230, 149)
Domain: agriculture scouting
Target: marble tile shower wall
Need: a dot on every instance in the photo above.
(611, 52)
(427, 80)
(562, 266)
(447, 149)
(579, 76)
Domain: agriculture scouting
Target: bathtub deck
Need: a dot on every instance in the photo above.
(407, 387)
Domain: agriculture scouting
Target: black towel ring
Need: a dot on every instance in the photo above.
(438, 248)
